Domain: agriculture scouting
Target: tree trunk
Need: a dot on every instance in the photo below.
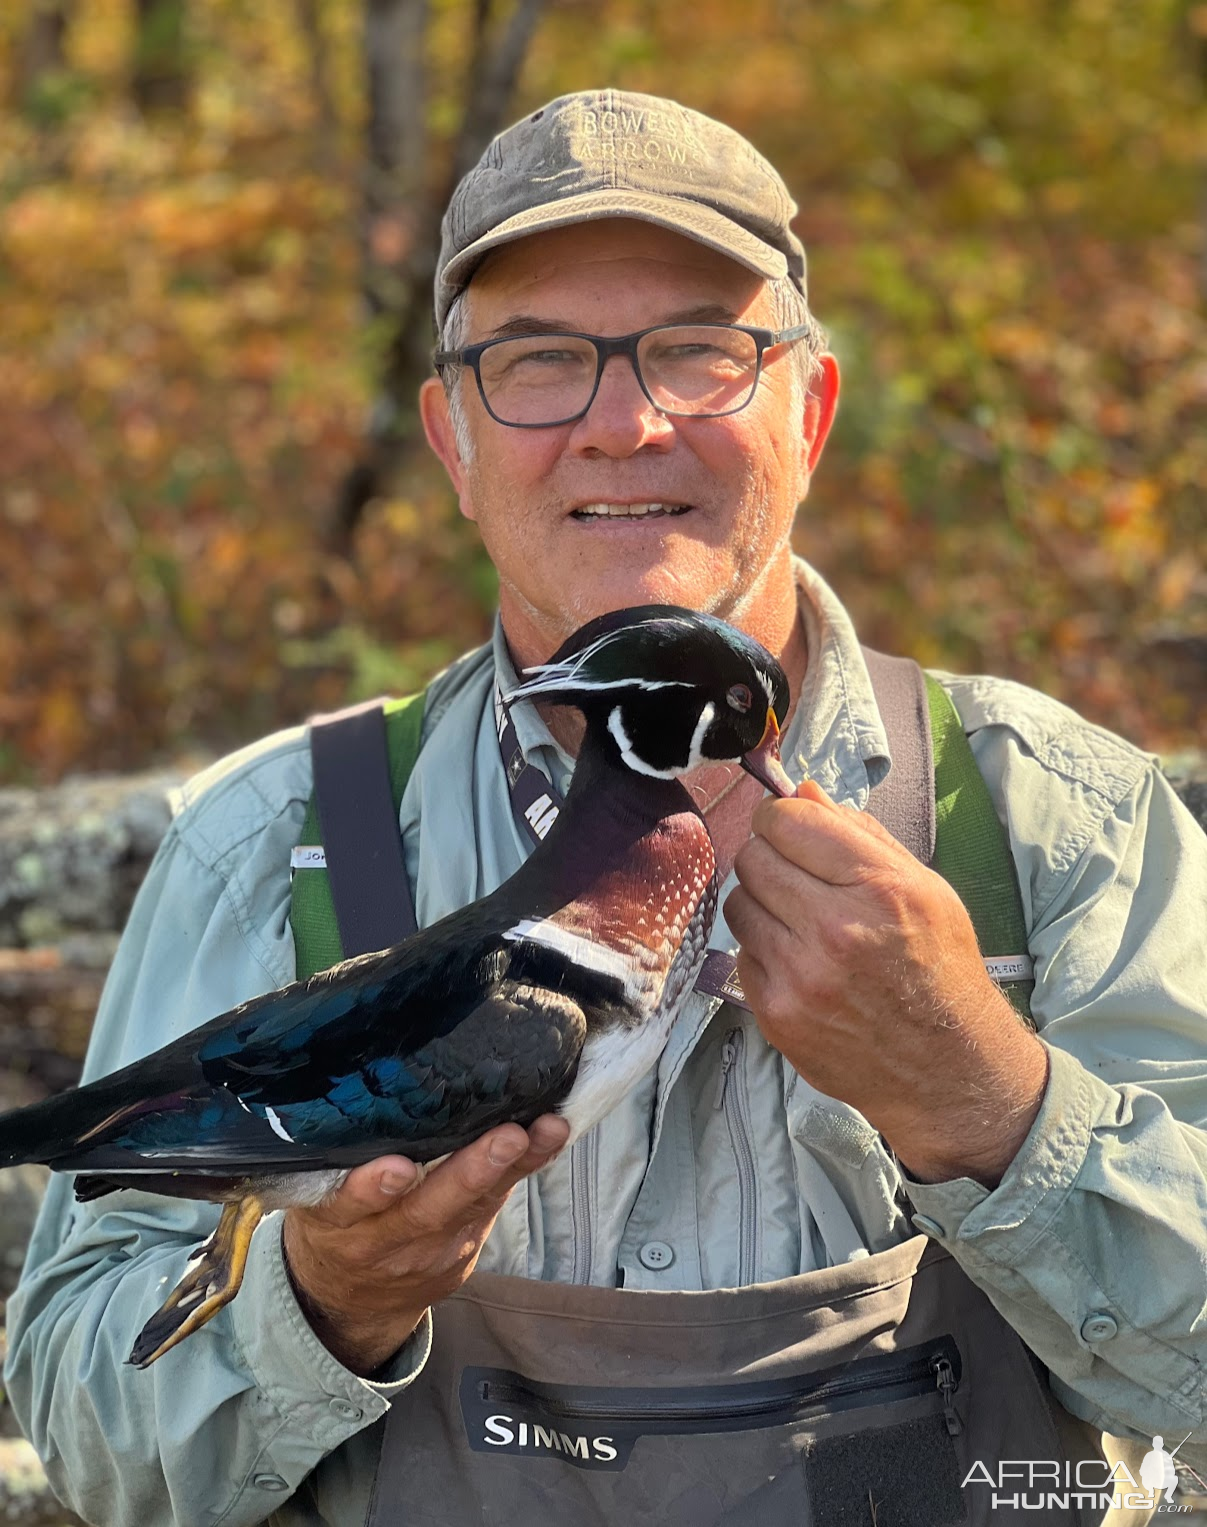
(326, 120)
(160, 80)
(403, 209)
(40, 55)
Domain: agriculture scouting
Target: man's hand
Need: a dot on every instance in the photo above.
(862, 968)
(367, 1263)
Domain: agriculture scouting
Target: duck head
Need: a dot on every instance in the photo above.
(665, 690)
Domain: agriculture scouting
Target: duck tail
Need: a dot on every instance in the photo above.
(26, 1134)
(54, 1129)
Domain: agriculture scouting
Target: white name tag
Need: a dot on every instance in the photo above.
(308, 858)
(1011, 967)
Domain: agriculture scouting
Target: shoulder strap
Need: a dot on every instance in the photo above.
(352, 895)
(972, 853)
(935, 801)
(904, 800)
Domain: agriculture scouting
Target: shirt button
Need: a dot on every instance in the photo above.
(1098, 1328)
(928, 1226)
(655, 1255)
(269, 1482)
(346, 1410)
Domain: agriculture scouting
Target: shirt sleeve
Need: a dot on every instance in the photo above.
(1094, 1244)
(238, 1415)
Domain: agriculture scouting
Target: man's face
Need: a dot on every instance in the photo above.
(732, 483)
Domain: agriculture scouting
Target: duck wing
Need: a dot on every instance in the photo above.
(417, 1050)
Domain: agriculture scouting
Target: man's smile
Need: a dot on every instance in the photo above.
(654, 509)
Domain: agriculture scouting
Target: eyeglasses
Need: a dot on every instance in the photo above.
(700, 370)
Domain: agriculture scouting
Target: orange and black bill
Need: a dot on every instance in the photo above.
(764, 761)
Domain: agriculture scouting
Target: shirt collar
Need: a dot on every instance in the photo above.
(836, 735)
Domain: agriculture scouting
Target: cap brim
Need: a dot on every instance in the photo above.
(692, 219)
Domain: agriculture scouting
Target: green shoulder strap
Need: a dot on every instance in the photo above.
(972, 852)
(312, 912)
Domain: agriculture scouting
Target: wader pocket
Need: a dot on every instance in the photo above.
(598, 1427)
(811, 1448)
(853, 1396)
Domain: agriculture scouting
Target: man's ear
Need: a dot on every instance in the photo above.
(821, 405)
(438, 427)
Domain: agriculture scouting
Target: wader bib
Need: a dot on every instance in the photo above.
(885, 1392)
(850, 1396)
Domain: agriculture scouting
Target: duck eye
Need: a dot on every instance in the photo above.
(740, 698)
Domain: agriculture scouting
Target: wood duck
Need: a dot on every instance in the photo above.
(556, 992)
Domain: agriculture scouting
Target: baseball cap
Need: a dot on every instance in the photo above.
(615, 153)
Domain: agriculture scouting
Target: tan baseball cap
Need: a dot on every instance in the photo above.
(613, 153)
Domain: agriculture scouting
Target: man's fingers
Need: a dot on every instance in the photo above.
(487, 1168)
(833, 843)
(479, 1177)
(370, 1189)
(548, 1134)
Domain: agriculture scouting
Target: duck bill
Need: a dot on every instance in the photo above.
(764, 761)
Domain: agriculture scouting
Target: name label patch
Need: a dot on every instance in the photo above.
(308, 857)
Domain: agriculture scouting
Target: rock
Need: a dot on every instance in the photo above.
(1187, 773)
(71, 859)
(21, 1190)
(26, 1499)
(72, 856)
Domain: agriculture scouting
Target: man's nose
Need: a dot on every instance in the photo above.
(621, 419)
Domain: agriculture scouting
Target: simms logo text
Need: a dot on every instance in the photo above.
(528, 1437)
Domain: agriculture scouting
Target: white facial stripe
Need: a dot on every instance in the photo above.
(765, 681)
(695, 756)
(638, 765)
(619, 735)
(583, 951)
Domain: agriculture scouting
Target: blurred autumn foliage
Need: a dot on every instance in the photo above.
(1004, 212)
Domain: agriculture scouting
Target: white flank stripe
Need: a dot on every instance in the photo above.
(277, 1127)
(583, 951)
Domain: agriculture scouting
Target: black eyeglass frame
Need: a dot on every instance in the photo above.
(622, 344)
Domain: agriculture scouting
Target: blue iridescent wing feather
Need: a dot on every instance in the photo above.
(417, 1050)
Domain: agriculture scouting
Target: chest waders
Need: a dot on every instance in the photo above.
(885, 1392)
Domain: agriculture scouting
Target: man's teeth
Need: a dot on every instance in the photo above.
(628, 511)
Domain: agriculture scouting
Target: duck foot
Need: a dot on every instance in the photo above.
(214, 1277)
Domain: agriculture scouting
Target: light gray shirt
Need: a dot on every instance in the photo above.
(723, 1167)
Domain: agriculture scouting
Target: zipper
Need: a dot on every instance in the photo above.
(947, 1384)
(736, 1103)
(584, 1158)
(869, 1381)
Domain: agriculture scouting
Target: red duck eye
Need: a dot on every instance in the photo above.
(740, 698)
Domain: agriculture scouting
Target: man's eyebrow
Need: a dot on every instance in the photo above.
(529, 323)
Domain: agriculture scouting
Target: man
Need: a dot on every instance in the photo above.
(883, 1085)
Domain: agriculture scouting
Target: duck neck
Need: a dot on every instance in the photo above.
(600, 774)
(608, 810)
